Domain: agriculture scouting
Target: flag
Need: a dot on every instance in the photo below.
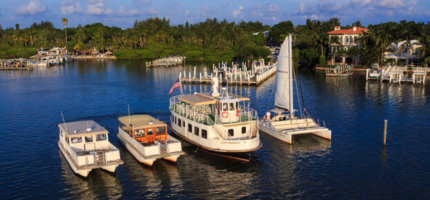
(174, 86)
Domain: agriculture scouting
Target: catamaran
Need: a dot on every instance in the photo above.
(86, 146)
(216, 122)
(147, 140)
(285, 124)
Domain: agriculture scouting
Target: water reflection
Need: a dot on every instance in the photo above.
(98, 184)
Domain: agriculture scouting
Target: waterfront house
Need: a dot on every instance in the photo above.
(402, 51)
(341, 40)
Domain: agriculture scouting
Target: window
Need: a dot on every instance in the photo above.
(204, 134)
(160, 130)
(149, 131)
(244, 130)
(196, 130)
(224, 107)
(101, 137)
(67, 139)
(139, 133)
(179, 122)
(175, 119)
(231, 132)
(231, 106)
(89, 138)
(183, 123)
(190, 128)
(76, 140)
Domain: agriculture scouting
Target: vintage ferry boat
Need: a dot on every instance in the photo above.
(221, 123)
(147, 140)
(86, 146)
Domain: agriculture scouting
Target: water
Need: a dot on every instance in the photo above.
(352, 166)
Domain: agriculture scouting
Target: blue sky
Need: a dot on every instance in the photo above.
(123, 13)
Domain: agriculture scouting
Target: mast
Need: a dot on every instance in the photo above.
(290, 68)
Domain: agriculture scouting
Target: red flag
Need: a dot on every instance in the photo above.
(174, 86)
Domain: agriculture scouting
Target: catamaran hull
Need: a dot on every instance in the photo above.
(135, 153)
(287, 136)
(83, 173)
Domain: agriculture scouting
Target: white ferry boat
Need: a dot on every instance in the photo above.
(86, 146)
(147, 140)
(222, 123)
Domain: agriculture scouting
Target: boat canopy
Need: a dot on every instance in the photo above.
(140, 121)
(197, 99)
(80, 128)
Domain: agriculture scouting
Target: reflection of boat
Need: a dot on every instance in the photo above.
(86, 147)
(285, 123)
(147, 140)
(218, 123)
(98, 184)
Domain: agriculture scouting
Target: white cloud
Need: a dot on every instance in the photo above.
(32, 8)
(123, 12)
(98, 7)
(391, 3)
(274, 8)
(70, 8)
(237, 12)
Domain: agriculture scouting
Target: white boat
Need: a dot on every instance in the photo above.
(222, 123)
(285, 124)
(86, 146)
(147, 140)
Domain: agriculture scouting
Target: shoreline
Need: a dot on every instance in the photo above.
(94, 57)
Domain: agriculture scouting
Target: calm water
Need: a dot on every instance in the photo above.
(352, 166)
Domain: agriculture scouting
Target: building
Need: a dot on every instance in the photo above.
(398, 52)
(346, 39)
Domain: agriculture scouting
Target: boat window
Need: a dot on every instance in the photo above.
(196, 130)
(190, 128)
(231, 106)
(179, 122)
(237, 105)
(230, 132)
(160, 130)
(150, 131)
(89, 138)
(67, 139)
(139, 133)
(101, 137)
(244, 130)
(76, 140)
(204, 133)
(224, 106)
(175, 119)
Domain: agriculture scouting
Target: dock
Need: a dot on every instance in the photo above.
(170, 61)
(396, 74)
(339, 71)
(255, 74)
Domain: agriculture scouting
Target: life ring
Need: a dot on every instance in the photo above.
(225, 114)
(237, 113)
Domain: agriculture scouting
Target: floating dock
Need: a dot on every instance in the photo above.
(339, 71)
(396, 74)
(256, 74)
(170, 61)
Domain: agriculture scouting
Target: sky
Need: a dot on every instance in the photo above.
(123, 13)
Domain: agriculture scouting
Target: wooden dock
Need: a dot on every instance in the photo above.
(235, 75)
(339, 71)
(170, 61)
(396, 74)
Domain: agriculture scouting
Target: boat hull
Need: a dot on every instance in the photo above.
(72, 165)
(135, 153)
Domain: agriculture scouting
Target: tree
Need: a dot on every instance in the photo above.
(279, 31)
(65, 22)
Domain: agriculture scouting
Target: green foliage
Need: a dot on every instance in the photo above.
(279, 31)
(21, 52)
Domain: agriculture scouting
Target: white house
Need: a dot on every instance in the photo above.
(401, 51)
(347, 39)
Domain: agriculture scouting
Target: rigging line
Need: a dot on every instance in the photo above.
(297, 91)
(302, 98)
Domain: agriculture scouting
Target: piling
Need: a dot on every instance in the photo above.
(385, 132)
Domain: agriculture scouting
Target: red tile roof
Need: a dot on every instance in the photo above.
(348, 31)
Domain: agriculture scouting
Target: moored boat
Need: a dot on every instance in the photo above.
(86, 146)
(221, 123)
(147, 140)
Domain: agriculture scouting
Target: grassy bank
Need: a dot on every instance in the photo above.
(17, 52)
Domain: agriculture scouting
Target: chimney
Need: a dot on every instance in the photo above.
(354, 28)
(336, 28)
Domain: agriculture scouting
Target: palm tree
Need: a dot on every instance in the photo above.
(65, 22)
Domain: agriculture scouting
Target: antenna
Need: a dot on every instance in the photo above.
(129, 114)
(62, 116)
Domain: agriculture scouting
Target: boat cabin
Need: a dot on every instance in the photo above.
(86, 135)
(143, 128)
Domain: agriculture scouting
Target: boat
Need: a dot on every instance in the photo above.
(285, 123)
(147, 140)
(86, 146)
(221, 123)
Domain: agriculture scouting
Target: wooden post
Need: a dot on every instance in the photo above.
(385, 132)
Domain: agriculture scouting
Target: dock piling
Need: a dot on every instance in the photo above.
(385, 132)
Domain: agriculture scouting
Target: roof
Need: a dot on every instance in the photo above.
(36, 56)
(197, 99)
(82, 128)
(139, 121)
(348, 31)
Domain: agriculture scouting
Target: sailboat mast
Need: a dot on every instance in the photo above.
(290, 69)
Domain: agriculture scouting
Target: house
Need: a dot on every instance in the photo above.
(341, 40)
(398, 52)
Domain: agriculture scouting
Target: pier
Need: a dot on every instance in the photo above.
(339, 71)
(255, 74)
(396, 74)
(170, 61)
